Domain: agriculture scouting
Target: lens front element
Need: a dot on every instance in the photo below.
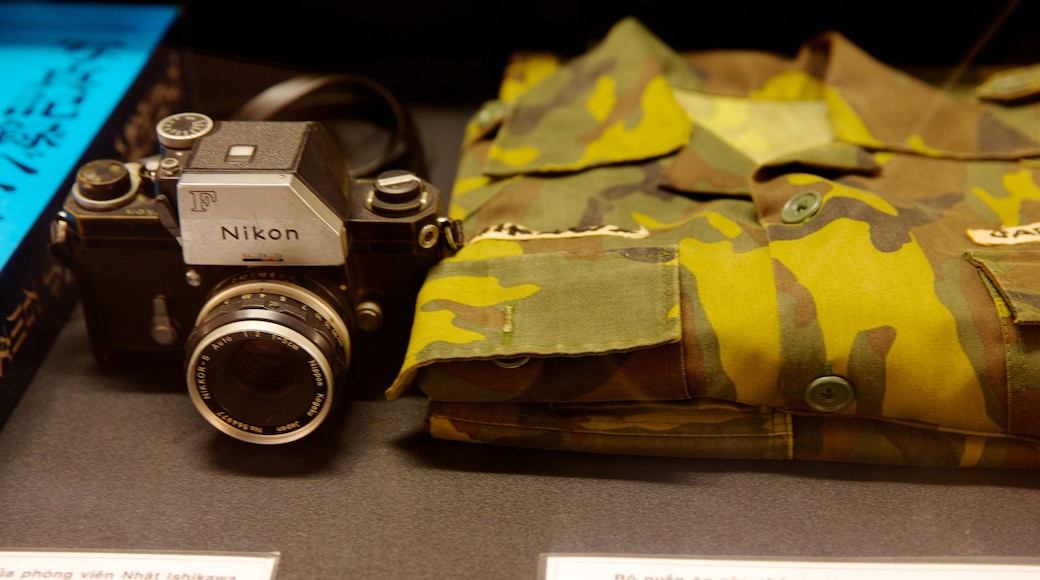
(265, 368)
(263, 361)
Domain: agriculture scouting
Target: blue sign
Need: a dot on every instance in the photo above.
(64, 68)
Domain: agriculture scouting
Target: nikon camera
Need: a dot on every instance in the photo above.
(245, 248)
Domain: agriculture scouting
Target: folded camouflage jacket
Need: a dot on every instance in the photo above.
(737, 255)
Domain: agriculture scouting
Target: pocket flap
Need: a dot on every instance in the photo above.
(1016, 276)
(571, 303)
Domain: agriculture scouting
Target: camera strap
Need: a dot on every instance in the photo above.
(372, 127)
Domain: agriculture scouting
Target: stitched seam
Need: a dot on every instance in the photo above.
(612, 433)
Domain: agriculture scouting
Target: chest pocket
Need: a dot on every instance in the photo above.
(493, 320)
(1013, 277)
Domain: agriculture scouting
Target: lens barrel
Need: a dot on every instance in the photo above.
(264, 358)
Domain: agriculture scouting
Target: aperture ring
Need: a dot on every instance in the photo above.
(277, 309)
(280, 288)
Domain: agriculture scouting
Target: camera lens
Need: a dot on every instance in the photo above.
(266, 383)
(264, 358)
(264, 368)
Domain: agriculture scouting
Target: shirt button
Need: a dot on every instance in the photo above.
(512, 363)
(829, 394)
(801, 207)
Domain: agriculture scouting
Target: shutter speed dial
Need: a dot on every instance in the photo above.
(180, 130)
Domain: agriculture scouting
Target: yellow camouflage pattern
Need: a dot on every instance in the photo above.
(733, 254)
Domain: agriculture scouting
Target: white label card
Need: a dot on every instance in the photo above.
(568, 567)
(102, 565)
(1006, 236)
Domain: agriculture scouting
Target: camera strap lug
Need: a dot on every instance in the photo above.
(167, 215)
(451, 233)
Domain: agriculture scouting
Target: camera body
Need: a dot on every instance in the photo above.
(247, 249)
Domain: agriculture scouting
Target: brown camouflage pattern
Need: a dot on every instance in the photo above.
(665, 250)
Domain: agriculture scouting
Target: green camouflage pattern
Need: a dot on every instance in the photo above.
(665, 250)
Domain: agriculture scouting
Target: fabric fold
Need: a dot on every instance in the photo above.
(740, 254)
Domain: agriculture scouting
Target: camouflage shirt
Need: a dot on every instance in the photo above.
(734, 254)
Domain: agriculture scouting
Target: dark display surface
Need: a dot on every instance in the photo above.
(121, 460)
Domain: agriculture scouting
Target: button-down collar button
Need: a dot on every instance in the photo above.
(1010, 82)
(829, 394)
(801, 207)
(491, 112)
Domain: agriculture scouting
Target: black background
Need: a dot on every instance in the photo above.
(454, 51)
